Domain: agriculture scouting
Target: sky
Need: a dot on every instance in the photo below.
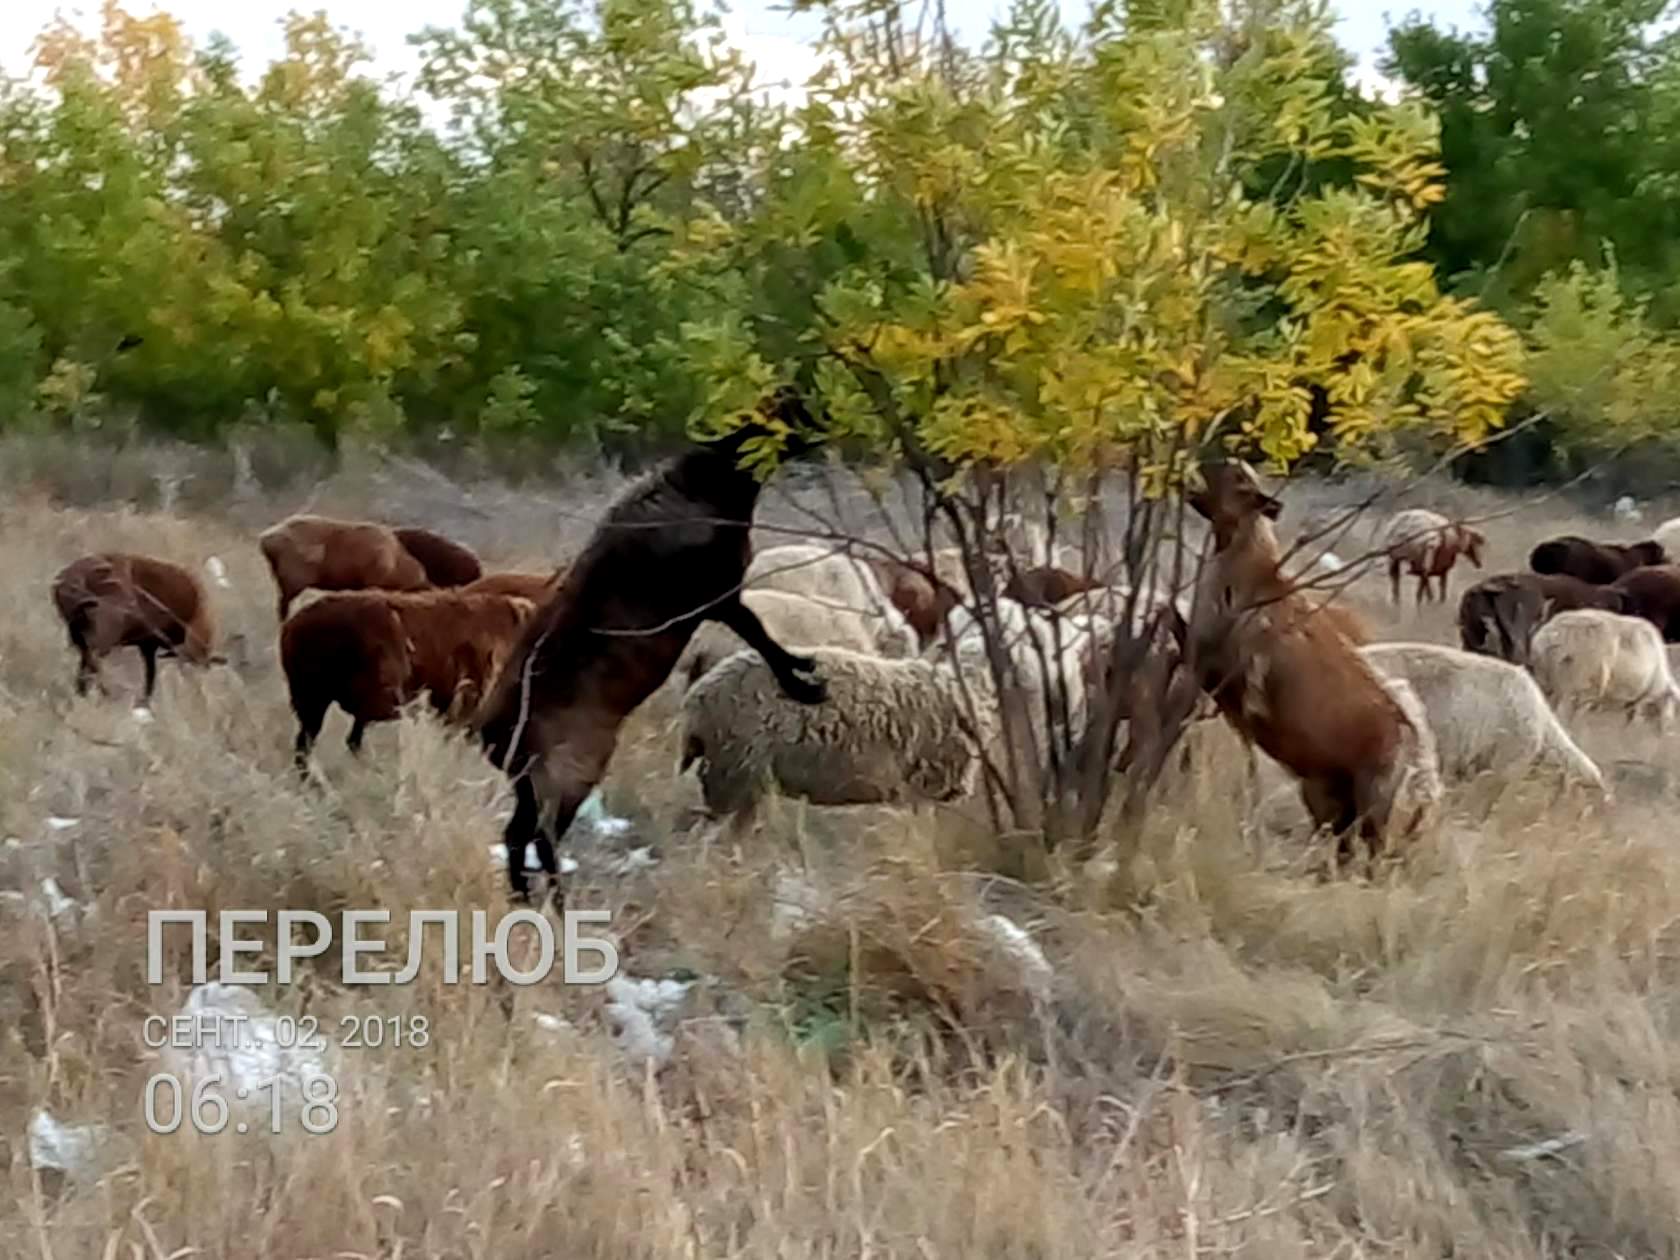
(777, 41)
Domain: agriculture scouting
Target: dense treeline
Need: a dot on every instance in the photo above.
(1064, 241)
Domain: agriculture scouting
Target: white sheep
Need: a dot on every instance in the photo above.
(1107, 604)
(1668, 534)
(1047, 654)
(1417, 790)
(1588, 658)
(837, 580)
(890, 732)
(1487, 715)
(791, 620)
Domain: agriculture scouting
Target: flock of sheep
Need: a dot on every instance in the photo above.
(863, 678)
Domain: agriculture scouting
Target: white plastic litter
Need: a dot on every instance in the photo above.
(56, 902)
(498, 859)
(641, 858)
(142, 715)
(1551, 1146)
(217, 571)
(792, 903)
(75, 1149)
(234, 1034)
(593, 814)
(62, 824)
(643, 1015)
(1017, 944)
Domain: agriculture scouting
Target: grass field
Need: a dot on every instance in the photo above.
(1233, 1058)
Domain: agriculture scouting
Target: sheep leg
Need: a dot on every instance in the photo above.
(1394, 581)
(783, 664)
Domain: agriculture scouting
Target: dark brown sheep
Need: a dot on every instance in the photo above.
(1652, 592)
(1288, 679)
(116, 599)
(671, 552)
(1046, 586)
(1595, 562)
(1499, 615)
(371, 652)
(924, 602)
(447, 563)
(535, 587)
(316, 552)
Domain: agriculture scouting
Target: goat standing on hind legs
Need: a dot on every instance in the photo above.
(1290, 681)
(671, 552)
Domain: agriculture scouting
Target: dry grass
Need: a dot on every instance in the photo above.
(1233, 1058)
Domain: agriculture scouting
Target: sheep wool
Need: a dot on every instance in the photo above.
(890, 732)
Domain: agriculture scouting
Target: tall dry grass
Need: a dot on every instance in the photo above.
(1234, 1057)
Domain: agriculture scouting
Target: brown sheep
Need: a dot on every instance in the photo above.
(1652, 592)
(371, 652)
(535, 587)
(117, 600)
(1499, 615)
(1045, 586)
(446, 562)
(1595, 562)
(672, 551)
(1429, 545)
(305, 552)
(1288, 680)
(924, 601)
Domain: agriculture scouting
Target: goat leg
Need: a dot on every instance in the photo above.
(87, 671)
(148, 654)
(783, 664)
(520, 829)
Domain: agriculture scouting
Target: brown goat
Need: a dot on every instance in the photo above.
(1286, 678)
(316, 552)
(535, 587)
(1653, 592)
(446, 562)
(924, 601)
(371, 652)
(1595, 562)
(116, 599)
(1499, 615)
(1429, 545)
(1045, 586)
(672, 551)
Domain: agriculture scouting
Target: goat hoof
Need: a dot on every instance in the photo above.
(803, 664)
